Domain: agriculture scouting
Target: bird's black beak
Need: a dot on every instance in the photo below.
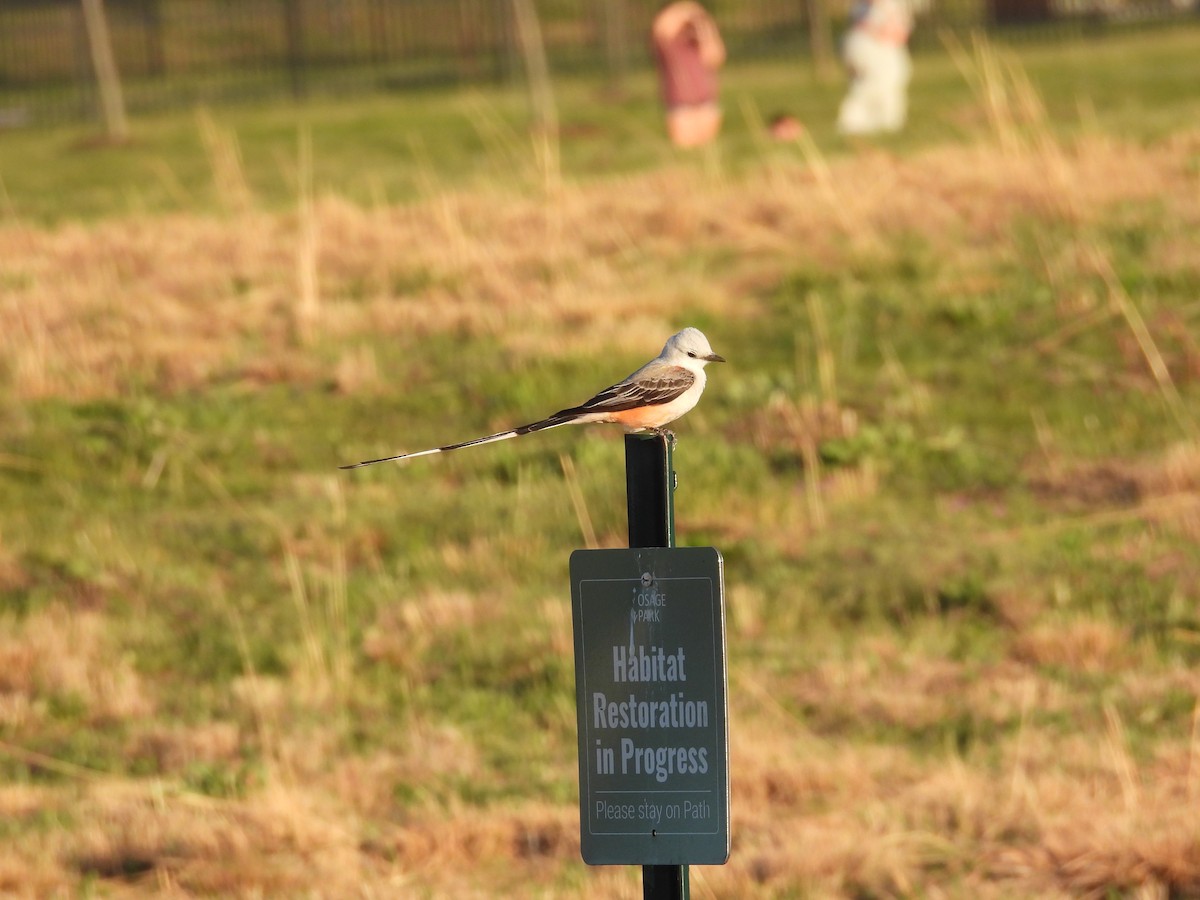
(713, 357)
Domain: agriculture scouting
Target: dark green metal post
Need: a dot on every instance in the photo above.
(650, 490)
(665, 883)
(650, 494)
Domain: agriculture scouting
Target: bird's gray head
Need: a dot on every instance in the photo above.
(690, 344)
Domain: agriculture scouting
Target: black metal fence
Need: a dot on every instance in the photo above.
(173, 53)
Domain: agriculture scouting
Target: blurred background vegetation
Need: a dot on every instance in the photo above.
(952, 466)
(178, 52)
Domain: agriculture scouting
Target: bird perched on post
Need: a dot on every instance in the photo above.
(654, 396)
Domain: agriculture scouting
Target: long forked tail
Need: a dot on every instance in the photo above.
(566, 417)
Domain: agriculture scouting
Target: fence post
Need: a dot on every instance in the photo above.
(537, 69)
(152, 29)
(293, 23)
(650, 497)
(820, 37)
(112, 101)
(616, 44)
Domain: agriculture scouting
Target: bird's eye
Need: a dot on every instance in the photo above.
(691, 354)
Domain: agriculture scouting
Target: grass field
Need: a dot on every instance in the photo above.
(952, 466)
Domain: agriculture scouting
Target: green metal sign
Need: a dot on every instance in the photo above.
(650, 692)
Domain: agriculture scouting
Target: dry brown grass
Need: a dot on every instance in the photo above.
(1163, 489)
(1052, 817)
(1032, 813)
(65, 655)
(282, 842)
(1087, 645)
(186, 301)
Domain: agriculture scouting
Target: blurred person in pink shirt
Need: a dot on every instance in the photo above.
(875, 51)
(689, 50)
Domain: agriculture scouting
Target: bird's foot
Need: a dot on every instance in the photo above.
(651, 433)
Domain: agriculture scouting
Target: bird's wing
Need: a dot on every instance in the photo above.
(647, 387)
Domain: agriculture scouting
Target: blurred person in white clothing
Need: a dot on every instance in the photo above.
(875, 51)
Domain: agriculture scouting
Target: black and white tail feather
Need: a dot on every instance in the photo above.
(560, 418)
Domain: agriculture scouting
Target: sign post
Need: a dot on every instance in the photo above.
(651, 691)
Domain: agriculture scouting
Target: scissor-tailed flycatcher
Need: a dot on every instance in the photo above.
(656, 394)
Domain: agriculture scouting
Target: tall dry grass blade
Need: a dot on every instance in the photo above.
(541, 94)
(1193, 769)
(754, 122)
(494, 133)
(699, 886)
(826, 362)
(1120, 298)
(29, 346)
(357, 370)
(455, 246)
(341, 654)
(425, 174)
(314, 651)
(1171, 506)
(1018, 784)
(812, 482)
(212, 478)
(1118, 751)
(768, 153)
(960, 56)
(815, 160)
(225, 162)
(52, 764)
(582, 516)
(1152, 890)
(171, 183)
(266, 739)
(1028, 102)
(974, 66)
(158, 462)
(326, 670)
(1081, 324)
(1016, 115)
(1010, 103)
(1046, 442)
(15, 463)
(769, 703)
(995, 94)
(545, 135)
(912, 397)
(714, 169)
(308, 300)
